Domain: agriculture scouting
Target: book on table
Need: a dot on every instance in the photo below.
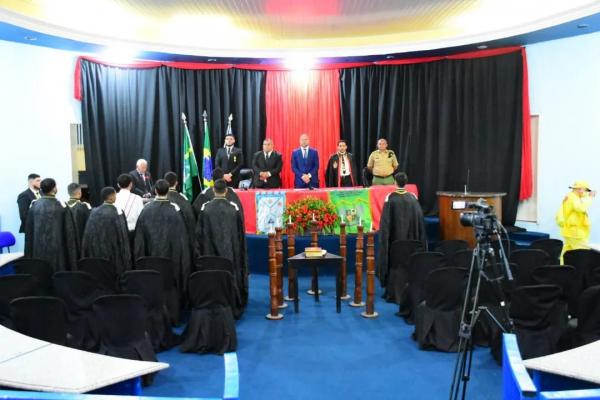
(314, 252)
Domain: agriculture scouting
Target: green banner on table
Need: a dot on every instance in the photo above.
(353, 207)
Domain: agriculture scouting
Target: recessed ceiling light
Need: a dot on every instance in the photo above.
(583, 26)
(30, 38)
(389, 57)
(482, 46)
(211, 59)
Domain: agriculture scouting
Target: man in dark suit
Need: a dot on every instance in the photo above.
(26, 197)
(142, 180)
(230, 159)
(305, 164)
(267, 166)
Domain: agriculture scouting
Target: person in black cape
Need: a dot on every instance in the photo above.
(220, 232)
(50, 232)
(208, 194)
(341, 169)
(106, 234)
(25, 198)
(401, 219)
(161, 232)
(187, 211)
(79, 209)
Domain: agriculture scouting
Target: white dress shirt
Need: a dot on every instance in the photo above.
(132, 206)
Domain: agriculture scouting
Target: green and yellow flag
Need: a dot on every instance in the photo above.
(190, 166)
(207, 167)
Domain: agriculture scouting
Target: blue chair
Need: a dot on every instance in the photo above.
(7, 239)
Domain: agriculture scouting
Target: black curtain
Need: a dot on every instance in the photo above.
(129, 114)
(442, 119)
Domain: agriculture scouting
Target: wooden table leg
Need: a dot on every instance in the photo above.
(358, 273)
(370, 311)
(274, 314)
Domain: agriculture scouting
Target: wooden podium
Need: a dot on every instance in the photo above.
(452, 204)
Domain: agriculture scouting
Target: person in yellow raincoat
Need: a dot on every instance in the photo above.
(572, 217)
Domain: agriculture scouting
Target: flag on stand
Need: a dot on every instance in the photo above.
(190, 166)
(207, 167)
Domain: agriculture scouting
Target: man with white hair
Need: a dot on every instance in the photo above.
(142, 180)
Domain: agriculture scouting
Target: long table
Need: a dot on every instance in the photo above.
(377, 195)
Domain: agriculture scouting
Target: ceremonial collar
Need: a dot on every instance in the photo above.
(161, 198)
(401, 191)
(48, 196)
(172, 190)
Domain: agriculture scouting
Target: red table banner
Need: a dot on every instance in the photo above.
(377, 195)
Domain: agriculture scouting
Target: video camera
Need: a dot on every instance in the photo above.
(483, 220)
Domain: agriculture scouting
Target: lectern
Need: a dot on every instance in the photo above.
(451, 204)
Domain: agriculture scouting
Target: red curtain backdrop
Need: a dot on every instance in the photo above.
(303, 102)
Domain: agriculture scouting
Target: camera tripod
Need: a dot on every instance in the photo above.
(483, 255)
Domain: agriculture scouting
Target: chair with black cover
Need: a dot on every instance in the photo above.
(462, 258)
(173, 295)
(148, 284)
(540, 319)
(437, 317)
(213, 263)
(367, 177)
(211, 328)
(449, 248)
(585, 261)
(103, 270)
(551, 246)
(41, 317)
(527, 260)
(121, 321)
(563, 276)
(41, 270)
(588, 322)
(397, 278)
(79, 290)
(11, 287)
(246, 178)
(419, 266)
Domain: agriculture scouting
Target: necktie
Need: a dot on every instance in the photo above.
(228, 152)
(304, 153)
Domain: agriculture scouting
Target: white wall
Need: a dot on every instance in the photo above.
(36, 108)
(564, 88)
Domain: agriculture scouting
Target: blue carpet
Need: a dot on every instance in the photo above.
(318, 354)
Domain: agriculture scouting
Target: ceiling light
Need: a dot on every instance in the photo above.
(482, 46)
(389, 57)
(297, 62)
(30, 38)
(583, 26)
(211, 60)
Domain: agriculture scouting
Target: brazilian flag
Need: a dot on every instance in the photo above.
(207, 167)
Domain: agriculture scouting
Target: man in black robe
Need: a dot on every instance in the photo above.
(401, 219)
(161, 232)
(220, 232)
(50, 232)
(341, 170)
(187, 211)
(208, 194)
(79, 209)
(106, 235)
(26, 197)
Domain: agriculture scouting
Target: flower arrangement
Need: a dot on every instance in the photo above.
(302, 212)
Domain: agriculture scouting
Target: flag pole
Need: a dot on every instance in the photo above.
(187, 131)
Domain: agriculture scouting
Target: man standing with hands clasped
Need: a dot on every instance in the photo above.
(305, 164)
(230, 159)
(382, 164)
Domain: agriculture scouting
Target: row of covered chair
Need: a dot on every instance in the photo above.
(79, 289)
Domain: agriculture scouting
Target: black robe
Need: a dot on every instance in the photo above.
(208, 194)
(332, 170)
(186, 209)
(106, 236)
(401, 219)
(220, 232)
(50, 234)
(81, 212)
(160, 231)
